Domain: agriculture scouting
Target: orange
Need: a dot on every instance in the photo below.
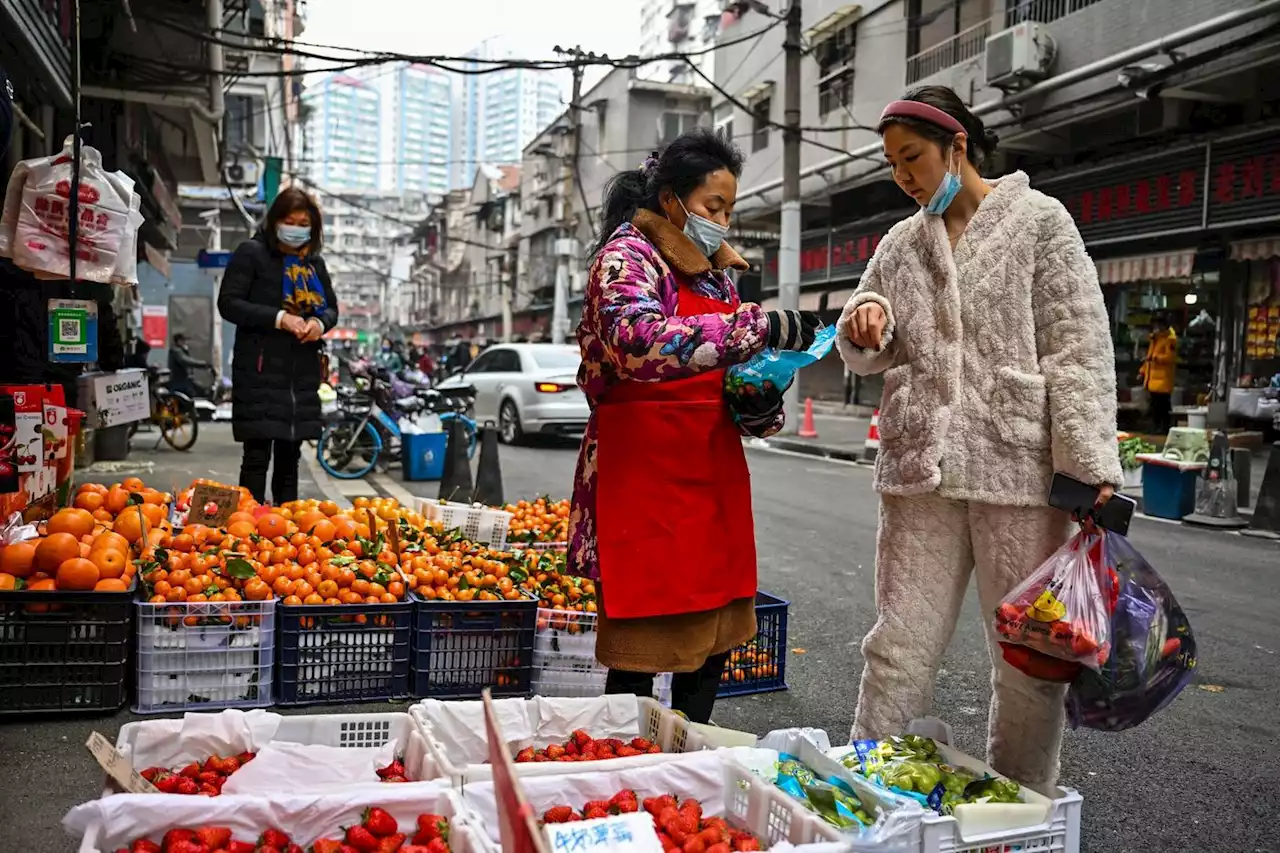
(88, 501)
(133, 484)
(152, 497)
(272, 525)
(242, 516)
(42, 585)
(132, 525)
(18, 559)
(117, 500)
(111, 585)
(343, 526)
(329, 508)
(96, 488)
(78, 574)
(324, 530)
(56, 550)
(77, 522)
(110, 562)
(242, 529)
(109, 539)
(7, 582)
(153, 513)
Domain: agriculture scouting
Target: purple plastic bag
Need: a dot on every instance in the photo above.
(1153, 651)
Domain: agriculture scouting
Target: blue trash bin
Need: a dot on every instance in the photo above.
(424, 455)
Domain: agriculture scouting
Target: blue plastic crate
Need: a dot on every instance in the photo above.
(1168, 492)
(204, 656)
(332, 653)
(760, 664)
(460, 648)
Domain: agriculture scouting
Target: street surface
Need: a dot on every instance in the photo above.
(1201, 776)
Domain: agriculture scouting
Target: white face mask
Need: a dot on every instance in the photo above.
(293, 236)
(704, 233)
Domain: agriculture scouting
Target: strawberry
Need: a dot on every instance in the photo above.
(186, 786)
(391, 843)
(380, 822)
(187, 847)
(721, 847)
(655, 805)
(746, 843)
(395, 768)
(438, 845)
(525, 755)
(245, 757)
(396, 779)
(214, 837)
(415, 848)
(174, 836)
(625, 751)
(595, 809)
(580, 738)
(666, 842)
(555, 751)
(243, 847)
(267, 848)
(292, 848)
(711, 835)
(558, 814)
(144, 845)
(192, 770)
(640, 744)
(570, 748)
(625, 802)
(327, 845)
(153, 773)
(694, 844)
(693, 808)
(274, 838)
(540, 757)
(718, 824)
(431, 826)
(360, 838)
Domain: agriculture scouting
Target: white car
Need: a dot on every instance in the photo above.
(526, 389)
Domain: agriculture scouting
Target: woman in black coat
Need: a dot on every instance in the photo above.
(276, 290)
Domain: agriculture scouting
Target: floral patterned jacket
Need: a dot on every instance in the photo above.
(629, 332)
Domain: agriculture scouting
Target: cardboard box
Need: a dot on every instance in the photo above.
(112, 399)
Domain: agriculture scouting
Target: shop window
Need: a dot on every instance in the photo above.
(760, 124)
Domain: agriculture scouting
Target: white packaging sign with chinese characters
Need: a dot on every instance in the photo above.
(626, 833)
(112, 399)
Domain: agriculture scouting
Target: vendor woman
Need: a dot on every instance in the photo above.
(662, 497)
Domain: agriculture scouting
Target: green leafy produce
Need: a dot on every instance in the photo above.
(911, 765)
(832, 799)
(1129, 450)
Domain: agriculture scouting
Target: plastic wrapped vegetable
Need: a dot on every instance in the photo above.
(1061, 609)
(778, 368)
(831, 799)
(1153, 649)
(910, 766)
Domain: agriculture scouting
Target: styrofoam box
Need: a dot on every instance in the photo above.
(725, 788)
(305, 817)
(340, 730)
(547, 718)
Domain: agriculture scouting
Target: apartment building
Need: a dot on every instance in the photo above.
(342, 133)
(1150, 119)
(679, 26)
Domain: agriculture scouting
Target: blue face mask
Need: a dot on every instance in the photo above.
(704, 233)
(293, 236)
(946, 192)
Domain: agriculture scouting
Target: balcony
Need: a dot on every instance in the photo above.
(961, 47)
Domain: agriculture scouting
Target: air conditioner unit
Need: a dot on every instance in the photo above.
(1019, 55)
(242, 173)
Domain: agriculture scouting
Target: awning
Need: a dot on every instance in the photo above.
(1256, 250)
(1147, 267)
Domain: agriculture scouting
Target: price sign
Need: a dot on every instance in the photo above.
(117, 766)
(516, 826)
(632, 833)
(73, 330)
(212, 506)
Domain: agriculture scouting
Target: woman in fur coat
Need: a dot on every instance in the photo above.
(984, 314)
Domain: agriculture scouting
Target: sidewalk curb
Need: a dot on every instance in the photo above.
(799, 445)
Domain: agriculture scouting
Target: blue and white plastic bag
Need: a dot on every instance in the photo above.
(778, 368)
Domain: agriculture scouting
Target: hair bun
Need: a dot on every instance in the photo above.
(990, 139)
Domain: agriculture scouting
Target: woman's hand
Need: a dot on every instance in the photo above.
(1105, 493)
(294, 325)
(866, 325)
(313, 330)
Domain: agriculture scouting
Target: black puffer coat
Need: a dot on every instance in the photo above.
(275, 379)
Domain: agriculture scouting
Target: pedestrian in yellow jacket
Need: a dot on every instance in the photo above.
(1158, 371)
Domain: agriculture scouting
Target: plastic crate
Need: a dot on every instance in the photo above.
(460, 648)
(459, 761)
(64, 651)
(308, 816)
(749, 803)
(204, 656)
(342, 652)
(760, 664)
(481, 524)
(564, 657)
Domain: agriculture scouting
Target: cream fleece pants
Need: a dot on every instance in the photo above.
(926, 548)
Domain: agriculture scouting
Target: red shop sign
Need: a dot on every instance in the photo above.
(1244, 180)
(836, 255)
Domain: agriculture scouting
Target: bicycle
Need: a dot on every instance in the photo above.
(366, 430)
(173, 412)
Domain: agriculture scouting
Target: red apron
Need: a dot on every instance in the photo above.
(674, 528)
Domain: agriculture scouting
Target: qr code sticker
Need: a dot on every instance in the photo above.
(69, 330)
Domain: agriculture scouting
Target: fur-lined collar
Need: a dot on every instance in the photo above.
(679, 251)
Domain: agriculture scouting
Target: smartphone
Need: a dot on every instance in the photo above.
(1070, 495)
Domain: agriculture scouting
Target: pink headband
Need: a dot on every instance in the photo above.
(923, 112)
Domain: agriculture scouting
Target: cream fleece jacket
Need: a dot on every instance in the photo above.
(997, 358)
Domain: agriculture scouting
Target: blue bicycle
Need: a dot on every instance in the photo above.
(366, 430)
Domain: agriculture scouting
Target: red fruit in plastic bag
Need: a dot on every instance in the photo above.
(1038, 665)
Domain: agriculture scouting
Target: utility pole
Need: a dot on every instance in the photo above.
(566, 245)
(789, 246)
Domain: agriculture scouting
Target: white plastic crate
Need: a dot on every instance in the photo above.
(203, 656)
(482, 524)
(462, 755)
(564, 657)
(725, 788)
(338, 730)
(305, 817)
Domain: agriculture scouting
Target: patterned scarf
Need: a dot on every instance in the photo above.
(303, 293)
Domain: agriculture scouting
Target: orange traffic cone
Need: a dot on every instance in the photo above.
(807, 429)
(872, 446)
